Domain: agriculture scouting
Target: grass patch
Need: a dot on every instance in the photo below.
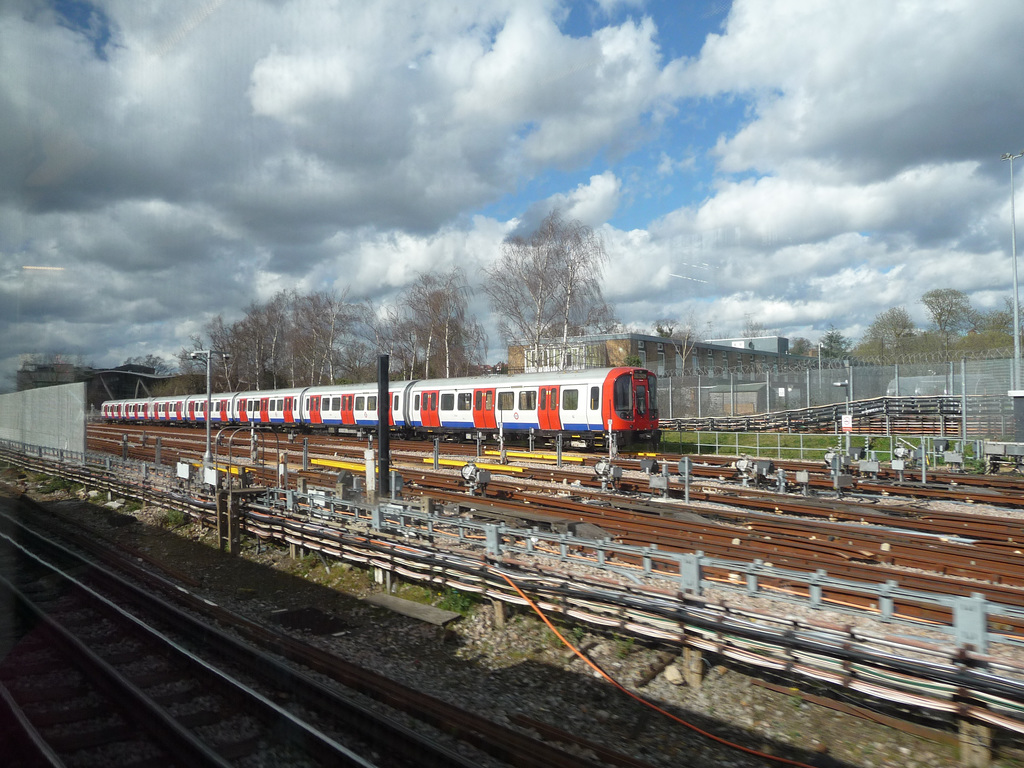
(174, 518)
(57, 485)
(459, 602)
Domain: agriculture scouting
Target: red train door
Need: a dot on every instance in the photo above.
(547, 408)
(428, 409)
(483, 409)
(348, 415)
(264, 410)
(288, 404)
(315, 416)
(224, 410)
(243, 413)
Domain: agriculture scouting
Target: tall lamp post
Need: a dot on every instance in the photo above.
(207, 354)
(1014, 373)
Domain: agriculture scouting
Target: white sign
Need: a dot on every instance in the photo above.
(847, 422)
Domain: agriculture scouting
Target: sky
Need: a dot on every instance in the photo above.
(799, 164)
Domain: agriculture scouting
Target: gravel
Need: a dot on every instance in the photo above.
(521, 669)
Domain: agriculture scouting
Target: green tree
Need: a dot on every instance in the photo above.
(888, 338)
(950, 312)
(834, 345)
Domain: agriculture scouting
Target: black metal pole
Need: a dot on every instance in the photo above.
(383, 427)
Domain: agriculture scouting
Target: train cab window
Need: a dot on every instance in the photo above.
(465, 401)
(641, 399)
(448, 401)
(396, 403)
(360, 403)
(570, 399)
(371, 403)
(506, 401)
(595, 398)
(527, 400)
(622, 396)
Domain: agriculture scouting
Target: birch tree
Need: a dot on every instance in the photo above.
(548, 285)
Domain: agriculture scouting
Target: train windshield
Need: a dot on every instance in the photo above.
(622, 396)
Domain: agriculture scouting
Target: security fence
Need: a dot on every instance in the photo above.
(977, 388)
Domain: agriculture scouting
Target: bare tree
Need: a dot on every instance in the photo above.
(681, 334)
(261, 340)
(549, 283)
(437, 302)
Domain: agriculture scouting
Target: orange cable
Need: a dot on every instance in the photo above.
(640, 699)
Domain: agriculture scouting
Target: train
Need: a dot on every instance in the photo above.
(584, 407)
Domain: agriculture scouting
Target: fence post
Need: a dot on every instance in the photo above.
(963, 405)
(689, 572)
(970, 621)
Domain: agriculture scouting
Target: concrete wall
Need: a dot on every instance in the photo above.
(53, 417)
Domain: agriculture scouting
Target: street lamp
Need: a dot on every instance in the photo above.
(1016, 308)
(207, 354)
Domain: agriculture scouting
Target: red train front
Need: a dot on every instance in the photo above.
(631, 404)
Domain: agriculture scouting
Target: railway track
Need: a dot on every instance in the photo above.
(389, 742)
(881, 541)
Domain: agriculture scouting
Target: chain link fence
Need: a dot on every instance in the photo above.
(748, 391)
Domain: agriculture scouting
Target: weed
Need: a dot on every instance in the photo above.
(55, 484)
(624, 646)
(174, 518)
(459, 602)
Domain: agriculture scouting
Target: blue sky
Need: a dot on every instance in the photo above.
(825, 159)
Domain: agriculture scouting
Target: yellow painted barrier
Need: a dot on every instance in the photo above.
(538, 456)
(456, 463)
(354, 466)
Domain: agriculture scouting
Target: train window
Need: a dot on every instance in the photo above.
(371, 403)
(622, 395)
(479, 400)
(336, 404)
(433, 401)
(595, 398)
(448, 401)
(465, 401)
(527, 400)
(416, 403)
(570, 399)
(653, 398)
(554, 399)
(395, 406)
(641, 399)
(360, 403)
(506, 401)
